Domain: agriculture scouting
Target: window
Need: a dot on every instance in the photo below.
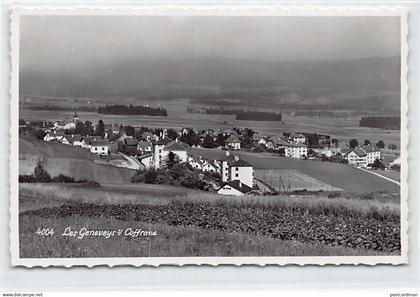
(236, 168)
(236, 174)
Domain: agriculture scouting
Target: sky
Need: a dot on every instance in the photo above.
(53, 43)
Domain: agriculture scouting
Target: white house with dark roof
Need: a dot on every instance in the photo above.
(72, 139)
(164, 146)
(234, 168)
(234, 188)
(87, 141)
(372, 153)
(54, 136)
(362, 156)
(99, 147)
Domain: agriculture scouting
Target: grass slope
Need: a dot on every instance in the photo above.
(72, 161)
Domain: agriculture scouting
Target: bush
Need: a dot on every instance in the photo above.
(27, 178)
(41, 175)
(150, 176)
(61, 178)
(178, 175)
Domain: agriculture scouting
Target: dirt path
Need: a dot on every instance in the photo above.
(381, 176)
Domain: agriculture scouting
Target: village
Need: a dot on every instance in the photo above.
(145, 149)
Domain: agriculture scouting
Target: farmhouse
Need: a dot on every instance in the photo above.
(99, 147)
(87, 141)
(164, 146)
(362, 156)
(144, 147)
(233, 143)
(372, 153)
(234, 168)
(73, 139)
(54, 136)
(235, 188)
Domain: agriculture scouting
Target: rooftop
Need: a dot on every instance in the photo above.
(236, 184)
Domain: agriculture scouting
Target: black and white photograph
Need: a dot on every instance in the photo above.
(202, 137)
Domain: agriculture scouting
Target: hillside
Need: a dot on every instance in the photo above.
(72, 161)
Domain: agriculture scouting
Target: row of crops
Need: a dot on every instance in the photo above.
(376, 230)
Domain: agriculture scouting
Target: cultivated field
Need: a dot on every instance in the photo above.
(200, 224)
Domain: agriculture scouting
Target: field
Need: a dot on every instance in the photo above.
(200, 224)
(349, 179)
(65, 159)
(292, 180)
(341, 128)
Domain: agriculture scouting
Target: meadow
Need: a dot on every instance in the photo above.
(292, 180)
(342, 176)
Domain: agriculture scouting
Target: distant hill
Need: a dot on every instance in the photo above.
(316, 82)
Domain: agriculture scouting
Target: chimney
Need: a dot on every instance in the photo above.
(227, 153)
(176, 139)
(240, 184)
(236, 158)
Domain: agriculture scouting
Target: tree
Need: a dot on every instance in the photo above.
(41, 175)
(89, 130)
(100, 128)
(208, 142)
(171, 160)
(40, 134)
(80, 128)
(129, 130)
(150, 176)
(220, 141)
(380, 144)
(353, 143)
(366, 142)
(191, 138)
(246, 142)
(171, 133)
(248, 132)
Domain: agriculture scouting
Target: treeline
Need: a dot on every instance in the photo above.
(384, 122)
(240, 114)
(59, 108)
(132, 110)
(258, 116)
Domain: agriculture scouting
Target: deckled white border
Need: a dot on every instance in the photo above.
(209, 11)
